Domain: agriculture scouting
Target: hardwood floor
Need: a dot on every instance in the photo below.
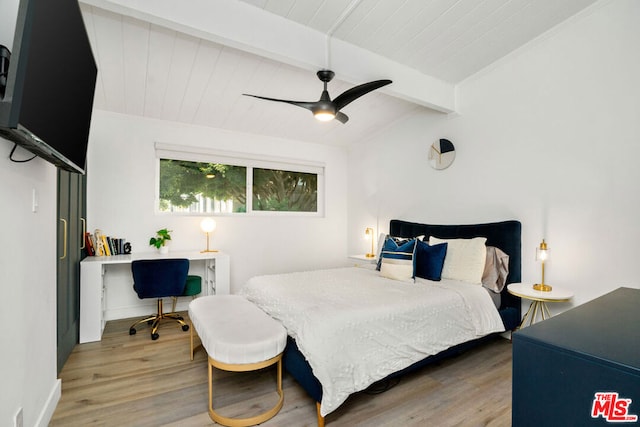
(134, 381)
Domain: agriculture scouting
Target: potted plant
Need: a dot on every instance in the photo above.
(160, 240)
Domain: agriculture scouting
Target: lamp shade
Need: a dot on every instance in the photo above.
(542, 252)
(208, 225)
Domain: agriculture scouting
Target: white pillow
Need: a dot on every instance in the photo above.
(465, 258)
(397, 269)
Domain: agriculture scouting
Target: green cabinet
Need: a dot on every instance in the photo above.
(70, 251)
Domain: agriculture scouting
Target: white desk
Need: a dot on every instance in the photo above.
(93, 269)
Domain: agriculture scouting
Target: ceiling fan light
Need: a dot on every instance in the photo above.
(324, 116)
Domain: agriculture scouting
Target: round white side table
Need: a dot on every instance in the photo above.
(538, 307)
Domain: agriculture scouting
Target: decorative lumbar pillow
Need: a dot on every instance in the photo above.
(430, 260)
(397, 260)
(465, 258)
(496, 269)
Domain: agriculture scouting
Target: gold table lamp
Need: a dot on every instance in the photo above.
(542, 253)
(368, 233)
(208, 225)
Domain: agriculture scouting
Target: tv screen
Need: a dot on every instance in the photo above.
(50, 83)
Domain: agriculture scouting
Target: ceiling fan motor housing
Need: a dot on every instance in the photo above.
(324, 105)
(325, 75)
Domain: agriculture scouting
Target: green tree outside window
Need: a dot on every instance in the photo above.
(200, 187)
(278, 190)
(184, 184)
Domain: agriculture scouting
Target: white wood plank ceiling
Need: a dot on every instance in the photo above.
(191, 61)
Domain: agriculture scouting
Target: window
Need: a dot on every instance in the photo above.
(197, 187)
(278, 190)
(197, 181)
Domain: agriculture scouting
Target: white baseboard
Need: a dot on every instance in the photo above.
(127, 312)
(144, 309)
(50, 405)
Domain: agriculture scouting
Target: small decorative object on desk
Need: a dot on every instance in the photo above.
(160, 241)
(100, 249)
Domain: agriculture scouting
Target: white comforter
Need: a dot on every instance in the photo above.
(356, 327)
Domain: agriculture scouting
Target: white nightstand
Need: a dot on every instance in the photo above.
(363, 259)
(538, 300)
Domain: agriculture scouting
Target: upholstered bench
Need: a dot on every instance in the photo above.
(238, 337)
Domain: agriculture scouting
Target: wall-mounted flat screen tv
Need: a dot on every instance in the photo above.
(50, 83)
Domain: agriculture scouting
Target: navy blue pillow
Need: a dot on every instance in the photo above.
(429, 260)
(390, 244)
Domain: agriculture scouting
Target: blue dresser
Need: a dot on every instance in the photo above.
(582, 367)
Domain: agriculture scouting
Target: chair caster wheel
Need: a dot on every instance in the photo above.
(185, 328)
(155, 336)
(132, 331)
(149, 322)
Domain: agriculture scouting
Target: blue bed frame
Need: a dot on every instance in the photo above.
(505, 235)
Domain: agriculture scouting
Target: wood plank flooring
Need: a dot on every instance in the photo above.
(134, 381)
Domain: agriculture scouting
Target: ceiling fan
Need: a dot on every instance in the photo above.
(326, 109)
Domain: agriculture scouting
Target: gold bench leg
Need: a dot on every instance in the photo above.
(192, 337)
(243, 422)
(320, 417)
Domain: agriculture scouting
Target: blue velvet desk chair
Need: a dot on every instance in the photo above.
(159, 278)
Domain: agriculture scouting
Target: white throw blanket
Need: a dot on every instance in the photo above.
(356, 327)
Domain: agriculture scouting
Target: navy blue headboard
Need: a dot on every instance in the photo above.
(505, 235)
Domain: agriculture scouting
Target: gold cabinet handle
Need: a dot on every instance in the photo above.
(64, 239)
(84, 231)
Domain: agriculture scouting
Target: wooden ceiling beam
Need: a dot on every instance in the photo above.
(254, 30)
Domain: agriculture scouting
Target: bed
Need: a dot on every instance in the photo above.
(349, 327)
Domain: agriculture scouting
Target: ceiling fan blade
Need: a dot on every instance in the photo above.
(356, 92)
(342, 117)
(306, 105)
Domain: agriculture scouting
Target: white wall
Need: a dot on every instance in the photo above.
(121, 181)
(549, 136)
(8, 19)
(28, 266)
